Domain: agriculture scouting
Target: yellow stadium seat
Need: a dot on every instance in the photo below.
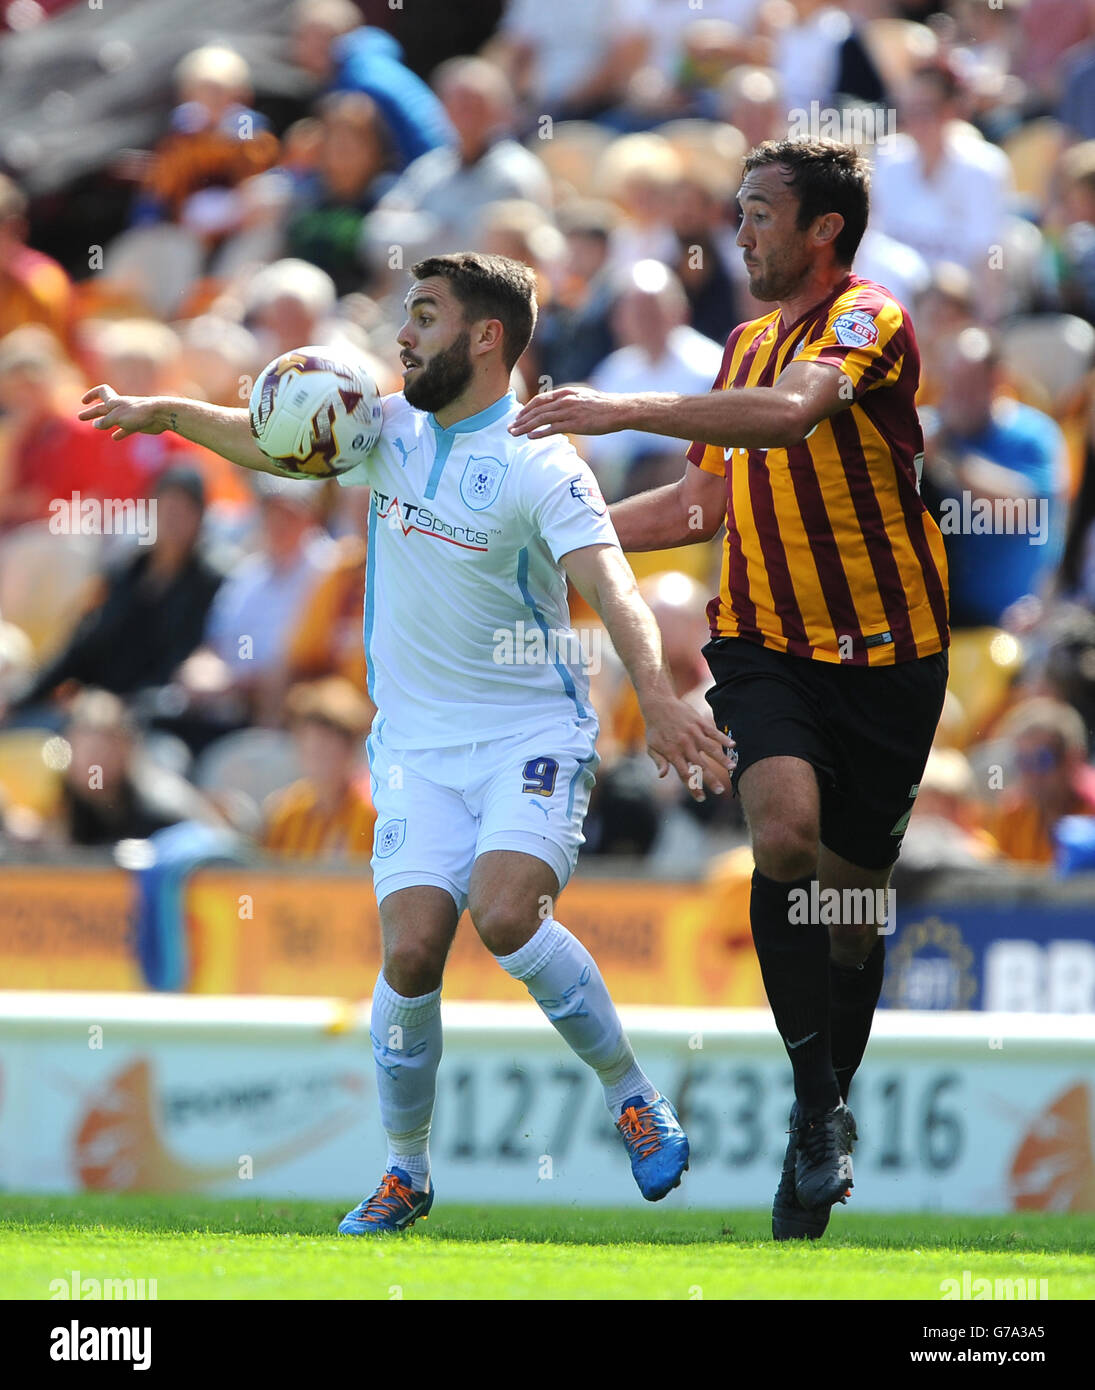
(983, 663)
(26, 778)
(44, 581)
(1032, 151)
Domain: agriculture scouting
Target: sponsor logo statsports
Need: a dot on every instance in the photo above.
(410, 516)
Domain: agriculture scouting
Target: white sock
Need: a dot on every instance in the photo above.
(406, 1037)
(563, 978)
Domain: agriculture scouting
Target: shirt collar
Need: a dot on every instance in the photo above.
(477, 422)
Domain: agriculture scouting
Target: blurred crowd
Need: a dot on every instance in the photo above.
(212, 668)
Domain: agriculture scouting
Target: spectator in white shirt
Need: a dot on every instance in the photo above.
(571, 59)
(939, 187)
(439, 201)
(660, 352)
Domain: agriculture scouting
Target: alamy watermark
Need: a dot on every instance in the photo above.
(995, 516)
(1028, 1289)
(849, 125)
(843, 907)
(73, 1285)
(529, 644)
(104, 516)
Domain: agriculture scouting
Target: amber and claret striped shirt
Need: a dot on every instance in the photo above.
(296, 828)
(830, 553)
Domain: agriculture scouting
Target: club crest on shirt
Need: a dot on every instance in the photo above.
(587, 491)
(856, 328)
(389, 837)
(481, 481)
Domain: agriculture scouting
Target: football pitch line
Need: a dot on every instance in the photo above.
(225, 1248)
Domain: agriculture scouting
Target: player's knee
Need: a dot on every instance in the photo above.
(414, 967)
(504, 924)
(786, 849)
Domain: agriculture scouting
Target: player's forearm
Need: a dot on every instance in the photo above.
(633, 631)
(224, 430)
(653, 520)
(755, 417)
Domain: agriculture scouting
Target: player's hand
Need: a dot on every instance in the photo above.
(124, 415)
(571, 410)
(680, 737)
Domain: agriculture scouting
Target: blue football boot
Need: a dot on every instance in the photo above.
(656, 1143)
(394, 1206)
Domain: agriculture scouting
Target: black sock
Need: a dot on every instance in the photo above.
(794, 963)
(854, 995)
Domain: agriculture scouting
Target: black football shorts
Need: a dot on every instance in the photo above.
(867, 730)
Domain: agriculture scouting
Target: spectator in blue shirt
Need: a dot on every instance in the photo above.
(996, 477)
(331, 43)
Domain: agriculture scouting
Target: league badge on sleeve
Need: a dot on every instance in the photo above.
(481, 481)
(587, 491)
(856, 328)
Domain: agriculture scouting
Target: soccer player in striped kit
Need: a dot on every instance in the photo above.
(829, 634)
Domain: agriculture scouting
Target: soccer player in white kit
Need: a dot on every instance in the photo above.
(481, 768)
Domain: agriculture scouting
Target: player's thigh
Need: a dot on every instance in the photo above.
(425, 833)
(533, 793)
(511, 895)
(766, 702)
(782, 804)
(882, 721)
(417, 926)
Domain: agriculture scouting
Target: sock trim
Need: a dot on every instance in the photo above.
(399, 1009)
(530, 959)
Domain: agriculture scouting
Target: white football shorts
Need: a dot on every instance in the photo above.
(438, 810)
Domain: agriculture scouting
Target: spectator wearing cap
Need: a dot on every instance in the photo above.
(1047, 744)
(150, 608)
(33, 287)
(328, 814)
(996, 471)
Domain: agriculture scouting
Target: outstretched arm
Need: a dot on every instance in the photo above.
(751, 417)
(677, 735)
(227, 432)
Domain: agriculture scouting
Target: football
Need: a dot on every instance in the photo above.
(315, 413)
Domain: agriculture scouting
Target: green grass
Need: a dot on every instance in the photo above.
(198, 1247)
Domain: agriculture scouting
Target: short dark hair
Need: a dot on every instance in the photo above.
(490, 287)
(826, 177)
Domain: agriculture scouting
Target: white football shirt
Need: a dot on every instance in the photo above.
(467, 629)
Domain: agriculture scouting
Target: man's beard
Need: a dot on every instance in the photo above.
(778, 281)
(443, 379)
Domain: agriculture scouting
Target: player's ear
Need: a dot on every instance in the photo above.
(487, 335)
(827, 228)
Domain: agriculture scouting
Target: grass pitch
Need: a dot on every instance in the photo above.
(202, 1248)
